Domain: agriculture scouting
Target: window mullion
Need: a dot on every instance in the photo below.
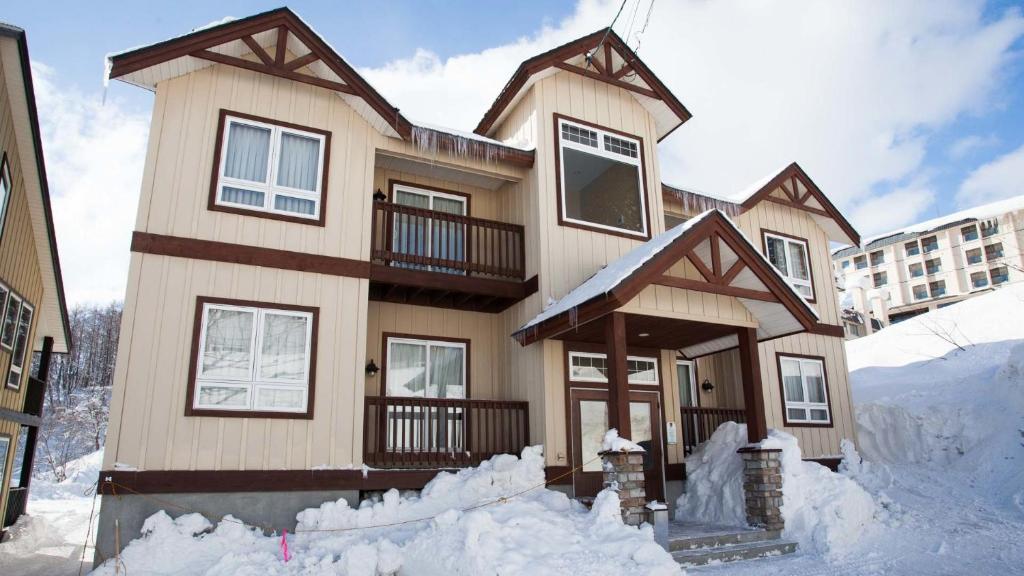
(256, 343)
(275, 151)
(426, 376)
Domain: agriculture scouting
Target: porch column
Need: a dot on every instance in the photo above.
(618, 375)
(753, 395)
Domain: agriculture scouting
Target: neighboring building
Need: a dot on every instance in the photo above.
(33, 316)
(317, 284)
(932, 264)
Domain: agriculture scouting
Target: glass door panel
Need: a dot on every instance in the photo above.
(593, 425)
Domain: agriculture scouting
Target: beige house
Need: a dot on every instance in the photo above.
(33, 316)
(932, 264)
(319, 285)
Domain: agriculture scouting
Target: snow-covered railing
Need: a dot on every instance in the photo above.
(698, 424)
(441, 432)
(423, 239)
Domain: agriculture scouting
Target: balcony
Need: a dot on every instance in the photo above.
(434, 258)
(698, 424)
(437, 433)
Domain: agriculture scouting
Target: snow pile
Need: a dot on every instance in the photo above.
(81, 473)
(613, 443)
(457, 525)
(824, 511)
(946, 390)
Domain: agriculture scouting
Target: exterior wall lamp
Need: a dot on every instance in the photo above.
(379, 196)
(371, 368)
(707, 386)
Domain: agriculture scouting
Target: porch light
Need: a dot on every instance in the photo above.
(643, 334)
(379, 196)
(372, 369)
(707, 386)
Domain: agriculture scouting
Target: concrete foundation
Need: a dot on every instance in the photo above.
(274, 509)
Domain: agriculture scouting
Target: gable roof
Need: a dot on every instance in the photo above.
(789, 186)
(742, 272)
(610, 61)
(52, 311)
(316, 62)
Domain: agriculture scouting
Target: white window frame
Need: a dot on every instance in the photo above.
(254, 382)
(805, 406)
(600, 151)
(428, 344)
(653, 360)
(5, 457)
(793, 281)
(11, 299)
(7, 295)
(270, 188)
(20, 370)
(692, 366)
(429, 234)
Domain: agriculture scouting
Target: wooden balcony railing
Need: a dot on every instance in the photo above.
(17, 498)
(422, 239)
(698, 424)
(34, 396)
(441, 433)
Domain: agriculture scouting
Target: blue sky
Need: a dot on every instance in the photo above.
(901, 111)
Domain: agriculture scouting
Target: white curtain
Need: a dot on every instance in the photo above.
(409, 235)
(407, 369)
(777, 255)
(791, 381)
(227, 352)
(447, 237)
(297, 205)
(239, 196)
(815, 382)
(283, 354)
(798, 261)
(297, 166)
(446, 372)
(247, 153)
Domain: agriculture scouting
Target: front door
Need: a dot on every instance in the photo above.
(589, 424)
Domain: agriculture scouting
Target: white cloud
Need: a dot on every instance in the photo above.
(851, 90)
(969, 144)
(891, 210)
(999, 179)
(94, 158)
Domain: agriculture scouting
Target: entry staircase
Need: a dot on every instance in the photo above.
(700, 544)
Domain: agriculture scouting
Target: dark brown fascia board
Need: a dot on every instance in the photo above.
(37, 140)
(790, 171)
(559, 53)
(140, 58)
(447, 142)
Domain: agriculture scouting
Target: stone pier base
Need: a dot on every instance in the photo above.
(624, 473)
(762, 487)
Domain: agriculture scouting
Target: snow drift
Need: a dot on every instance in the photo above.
(824, 511)
(452, 527)
(946, 390)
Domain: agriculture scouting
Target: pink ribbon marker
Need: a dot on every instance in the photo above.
(284, 546)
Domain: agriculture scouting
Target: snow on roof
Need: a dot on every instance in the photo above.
(736, 197)
(470, 135)
(977, 213)
(609, 277)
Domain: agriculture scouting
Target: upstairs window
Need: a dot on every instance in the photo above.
(974, 256)
(994, 251)
(916, 270)
(880, 279)
(929, 244)
(912, 248)
(272, 168)
(789, 256)
(593, 367)
(673, 220)
(21, 328)
(602, 182)
(989, 228)
(933, 266)
(253, 358)
(937, 288)
(999, 274)
(969, 233)
(805, 392)
(5, 192)
(877, 257)
(920, 292)
(979, 279)
(860, 262)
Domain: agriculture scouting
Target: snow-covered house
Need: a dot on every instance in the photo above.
(33, 316)
(326, 298)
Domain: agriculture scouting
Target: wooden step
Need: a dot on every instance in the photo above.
(734, 552)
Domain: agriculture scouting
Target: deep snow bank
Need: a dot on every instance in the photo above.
(826, 512)
(921, 399)
(538, 532)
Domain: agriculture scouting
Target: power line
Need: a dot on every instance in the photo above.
(607, 31)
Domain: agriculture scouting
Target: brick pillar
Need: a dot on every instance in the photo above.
(762, 487)
(624, 473)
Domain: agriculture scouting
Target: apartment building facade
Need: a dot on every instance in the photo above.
(932, 264)
(318, 284)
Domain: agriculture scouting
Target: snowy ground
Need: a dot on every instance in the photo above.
(940, 410)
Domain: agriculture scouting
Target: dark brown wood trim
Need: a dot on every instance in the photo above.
(688, 284)
(385, 336)
(275, 70)
(125, 483)
(560, 472)
(807, 245)
(618, 374)
(832, 330)
(146, 243)
(197, 326)
(218, 151)
(675, 472)
(645, 193)
(782, 391)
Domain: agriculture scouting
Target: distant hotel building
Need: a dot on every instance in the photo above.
(929, 265)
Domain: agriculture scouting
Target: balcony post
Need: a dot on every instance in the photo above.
(753, 395)
(618, 374)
